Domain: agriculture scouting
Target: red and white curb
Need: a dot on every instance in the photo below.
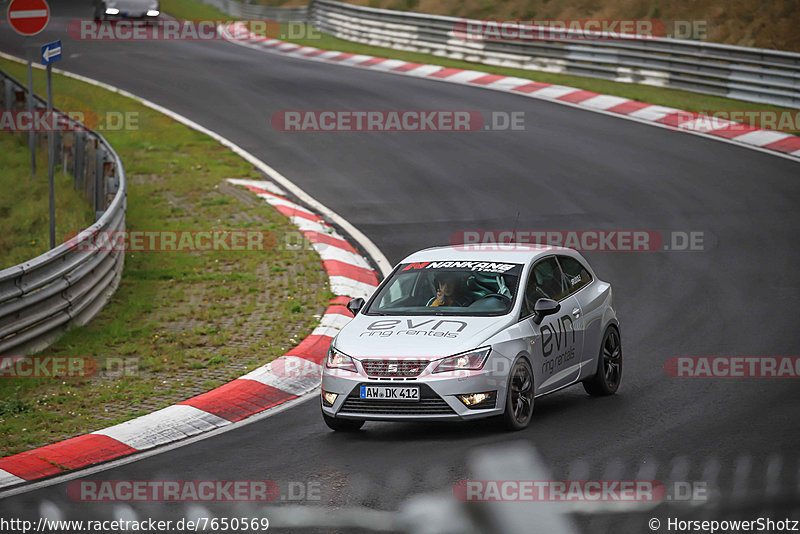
(296, 373)
(768, 140)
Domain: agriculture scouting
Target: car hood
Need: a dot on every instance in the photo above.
(416, 336)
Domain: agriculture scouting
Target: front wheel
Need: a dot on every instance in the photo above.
(609, 366)
(519, 398)
(342, 425)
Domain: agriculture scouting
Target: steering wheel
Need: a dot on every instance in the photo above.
(496, 295)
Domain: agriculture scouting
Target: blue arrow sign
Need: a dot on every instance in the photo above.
(51, 52)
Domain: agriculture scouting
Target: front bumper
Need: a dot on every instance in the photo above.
(438, 400)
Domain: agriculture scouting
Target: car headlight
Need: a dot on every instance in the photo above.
(340, 360)
(112, 11)
(152, 12)
(471, 360)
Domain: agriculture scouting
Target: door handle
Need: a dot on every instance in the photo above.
(576, 312)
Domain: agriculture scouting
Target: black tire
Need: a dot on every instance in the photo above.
(342, 425)
(606, 379)
(519, 396)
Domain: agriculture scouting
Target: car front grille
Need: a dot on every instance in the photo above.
(429, 404)
(394, 368)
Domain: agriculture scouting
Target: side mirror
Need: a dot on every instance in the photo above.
(355, 305)
(542, 309)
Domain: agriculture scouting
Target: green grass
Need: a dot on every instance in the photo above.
(182, 322)
(684, 100)
(24, 204)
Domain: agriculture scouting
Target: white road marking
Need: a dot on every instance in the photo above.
(169, 424)
(7, 479)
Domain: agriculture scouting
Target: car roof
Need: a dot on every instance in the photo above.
(510, 252)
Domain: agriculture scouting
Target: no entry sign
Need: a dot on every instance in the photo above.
(28, 17)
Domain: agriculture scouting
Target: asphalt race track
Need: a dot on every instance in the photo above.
(570, 169)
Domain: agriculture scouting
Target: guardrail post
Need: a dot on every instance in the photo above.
(79, 159)
(59, 145)
(310, 11)
(99, 181)
(69, 156)
(66, 151)
(8, 91)
(19, 99)
(111, 181)
(89, 165)
(15, 97)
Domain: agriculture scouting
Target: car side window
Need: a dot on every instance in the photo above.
(575, 275)
(546, 281)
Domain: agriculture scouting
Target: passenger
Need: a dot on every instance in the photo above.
(448, 291)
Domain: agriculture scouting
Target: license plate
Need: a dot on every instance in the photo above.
(390, 393)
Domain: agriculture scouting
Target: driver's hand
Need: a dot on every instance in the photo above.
(440, 295)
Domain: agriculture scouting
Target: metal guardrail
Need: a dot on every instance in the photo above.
(236, 8)
(751, 74)
(65, 286)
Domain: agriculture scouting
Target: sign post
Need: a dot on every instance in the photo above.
(51, 53)
(29, 17)
(31, 134)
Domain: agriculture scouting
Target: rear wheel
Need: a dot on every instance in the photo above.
(519, 398)
(342, 425)
(609, 366)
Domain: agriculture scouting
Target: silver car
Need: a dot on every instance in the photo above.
(133, 9)
(467, 332)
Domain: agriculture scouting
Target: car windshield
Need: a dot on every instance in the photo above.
(449, 288)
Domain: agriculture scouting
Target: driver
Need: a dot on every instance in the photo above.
(448, 290)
